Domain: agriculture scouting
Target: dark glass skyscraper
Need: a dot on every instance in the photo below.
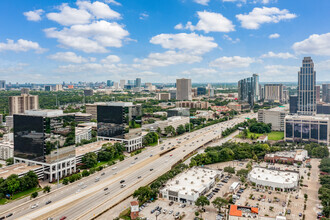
(248, 89)
(138, 82)
(306, 87)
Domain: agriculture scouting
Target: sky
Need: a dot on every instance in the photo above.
(209, 41)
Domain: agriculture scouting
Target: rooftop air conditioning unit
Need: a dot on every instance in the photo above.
(177, 181)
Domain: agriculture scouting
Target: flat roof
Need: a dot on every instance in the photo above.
(84, 149)
(192, 181)
(239, 211)
(308, 117)
(44, 112)
(274, 176)
(17, 168)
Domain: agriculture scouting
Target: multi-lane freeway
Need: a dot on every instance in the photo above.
(88, 197)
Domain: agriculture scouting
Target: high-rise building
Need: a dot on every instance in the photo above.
(183, 89)
(326, 93)
(273, 93)
(130, 82)
(201, 91)
(2, 84)
(88, 92)
(19, 104)
(109, 83)
(293, 102)
(122, 83)
(138, 82)
(306, 87)
(48, 88)
(318, 93)
(58, 87)
(25, 91)
(46, 138)
(248, 89)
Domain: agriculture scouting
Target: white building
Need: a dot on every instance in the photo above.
(274, 178)
(234, 187)
(6, 150)
(189, 185)
(83, 133)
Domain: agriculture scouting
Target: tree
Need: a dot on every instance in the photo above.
(159, 130)
(85, 173)
(89, 159)
(229, 169)
(13, 183)
(144, 193)
(202, 201)
(10, 161)
(320, 152)
(180, 129)
(170, 130)
(242, 172)
(219, 202)
(47, 189)
(65, 181)
(34, 195)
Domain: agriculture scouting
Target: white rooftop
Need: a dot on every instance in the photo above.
(192, 181)
(176, 118)
(44, 112)
(274, 176)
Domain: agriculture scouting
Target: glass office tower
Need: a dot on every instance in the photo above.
(306, 88)
(248, 90)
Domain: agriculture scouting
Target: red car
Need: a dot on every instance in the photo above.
(64, 217)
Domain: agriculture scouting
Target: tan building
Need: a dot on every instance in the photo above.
(58, 87)
(193, 104)
(163, 96)
(273, 116)
(19, 104)
(238, 107)
(274, 93)
(92, 109)
(183, 89)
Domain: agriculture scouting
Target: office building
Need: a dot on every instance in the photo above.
(122, 83)
(303, 128)
(9, 121)
(273, 116)
(130, 82)
(178, 112)
(318, 94)
(326, 93)
(83, 117)
(293, 104)
(288, 157)
(7, 146)
(46, 138)
(210, 90)
(238, 212)
(183, 89)
(163, 96)
(48, 88)
(58, 87)
(274, 93)
(1, 119)
(83, 133)
(323, 108)
(172, 93)
(120, 121)
(92, 109)
(186, 187)
(306, 88)
(110, 83)
(2, 84)
(239, 107)
(274, 179)
(138, 82)
(88, 92)
(248, 90)
(201, 91)
(19, 104)
(25, 91)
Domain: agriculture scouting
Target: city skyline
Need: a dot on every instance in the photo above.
(207, 41)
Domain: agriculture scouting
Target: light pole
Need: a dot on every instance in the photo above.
(58, 176)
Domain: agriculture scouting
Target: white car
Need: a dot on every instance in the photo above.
(34, 206)
(114, 168)
(78, 191)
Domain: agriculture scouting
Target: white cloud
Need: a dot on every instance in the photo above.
(315, 44)
(232, 62)
(69, 57)
(193, 43)
(90, 38)
(143, 16)
(34, 15)
(21, 46)
(226, 37)
(111, 59)
(99, 9)
(282, 73)
(113, 2)
(278, 55)
(259, 16)
(240, 2)
(209, 22)
(70, 16)
(168, 58)
(202, 2)
(273, 36)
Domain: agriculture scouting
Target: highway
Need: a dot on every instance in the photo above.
(86, 198)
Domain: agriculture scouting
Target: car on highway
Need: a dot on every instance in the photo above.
(107, 192)
(78, 191)
(34, 206)
(105, 189)
(103, 174)
(133, 162)
(122, 181)
(123, 185)
(9, 215)
(139, 177)
(64, 217)
(114, 168)
(151, 169)
(97, 179)
(48, 202)
(84, 186)
(136, 158)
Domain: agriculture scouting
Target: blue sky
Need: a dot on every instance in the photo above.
(161, 40)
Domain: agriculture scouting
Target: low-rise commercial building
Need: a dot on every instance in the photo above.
(273, 116)
(193, 104)
(83, 117)
(275, 179)
(234, 187)
(189, 185)
(307, 128)
(287, 156)
(163, 96)
(20, 169)
(205, 114)
(83, 133)
(178, 112)
(237, 212)
(239, 107)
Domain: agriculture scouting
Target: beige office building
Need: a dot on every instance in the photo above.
(183, 89)
(274, 93)
(163, 96)
(273, 116)
(19, 104)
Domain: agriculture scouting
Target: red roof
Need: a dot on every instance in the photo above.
(134, 203)
(235, 212)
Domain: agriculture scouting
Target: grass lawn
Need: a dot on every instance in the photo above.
(273, 136)
(20, 195)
